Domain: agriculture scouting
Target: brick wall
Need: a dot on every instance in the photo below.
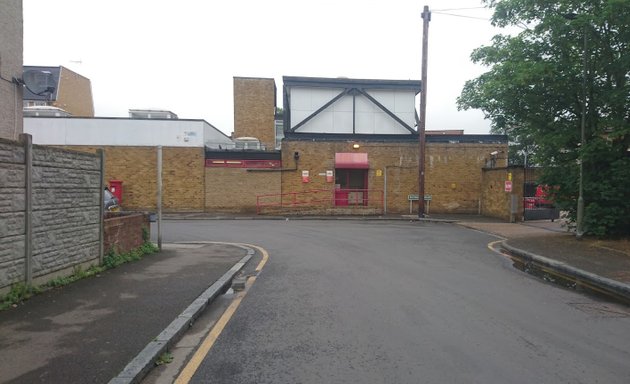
(495, 202)
(235, 189)
(74, 94)
(10, 67)
(66, 207)
(182, 177)
(453, 175)
(123, 233)
(254, 109)
(453, 171)
(399, 160)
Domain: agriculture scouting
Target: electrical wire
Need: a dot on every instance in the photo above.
(467, 17)
(7, 80)
(455, 9)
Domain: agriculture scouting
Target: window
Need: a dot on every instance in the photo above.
(279, 133)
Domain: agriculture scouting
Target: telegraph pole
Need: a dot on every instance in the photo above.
(426, 17)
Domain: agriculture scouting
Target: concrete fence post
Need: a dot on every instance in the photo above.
(27, 142)
(101, 231)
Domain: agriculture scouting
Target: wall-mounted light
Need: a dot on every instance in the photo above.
(356, 146)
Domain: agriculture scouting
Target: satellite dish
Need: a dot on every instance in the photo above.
(39, 83)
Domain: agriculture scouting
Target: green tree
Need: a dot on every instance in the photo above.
(534, 92)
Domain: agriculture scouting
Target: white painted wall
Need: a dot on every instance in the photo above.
(337, 118)
(123, 132)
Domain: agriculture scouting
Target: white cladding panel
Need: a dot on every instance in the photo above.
(338, 117)
(120, 132)
(213, 137)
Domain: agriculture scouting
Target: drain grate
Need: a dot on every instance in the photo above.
(603, 309)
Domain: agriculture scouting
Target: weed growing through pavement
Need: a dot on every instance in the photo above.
(164, 358)
(18, 293)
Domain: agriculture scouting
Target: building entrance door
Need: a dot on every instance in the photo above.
(351, 187)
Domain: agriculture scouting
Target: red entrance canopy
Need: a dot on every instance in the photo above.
(351, 160)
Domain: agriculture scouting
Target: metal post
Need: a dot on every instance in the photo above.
(579, 232)
(426, 17)
(159, 196)
(27, 141)
(385, 192)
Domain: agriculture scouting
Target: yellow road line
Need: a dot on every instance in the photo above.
(264, 258)
(492, 244)
(189, 370)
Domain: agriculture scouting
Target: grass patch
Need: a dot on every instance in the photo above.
(21, 292)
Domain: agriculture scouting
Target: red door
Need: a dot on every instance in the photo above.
(350, 187)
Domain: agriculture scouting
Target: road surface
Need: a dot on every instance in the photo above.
(400, 302)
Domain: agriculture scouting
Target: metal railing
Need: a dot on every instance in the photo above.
(340, 201)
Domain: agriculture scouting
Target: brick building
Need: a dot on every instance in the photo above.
(130, 148)
(350, 147)
(69, 91)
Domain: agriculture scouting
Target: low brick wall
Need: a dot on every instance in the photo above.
(123, 231)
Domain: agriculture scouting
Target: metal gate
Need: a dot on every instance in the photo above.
(536, 204)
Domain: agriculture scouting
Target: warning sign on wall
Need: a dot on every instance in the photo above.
(508, 186)
(329, 176)
(305, 177)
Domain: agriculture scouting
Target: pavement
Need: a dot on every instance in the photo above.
(96, 330)
(116, 324)
(550, 250)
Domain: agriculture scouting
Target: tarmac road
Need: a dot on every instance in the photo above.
(398, 302)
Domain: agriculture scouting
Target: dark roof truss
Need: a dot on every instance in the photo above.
(354, 91)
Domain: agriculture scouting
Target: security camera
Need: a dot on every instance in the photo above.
(494, 153)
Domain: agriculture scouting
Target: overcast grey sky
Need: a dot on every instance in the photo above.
(182, 55)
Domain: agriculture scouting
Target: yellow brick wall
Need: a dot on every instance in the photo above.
(453, 175)
(452, 171)
(398, 160)
(495, 202)
(183, 179)
(74, 94)
(182, 176)
(254, 109)
(235, 189)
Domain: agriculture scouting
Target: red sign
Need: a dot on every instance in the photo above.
(508, 186)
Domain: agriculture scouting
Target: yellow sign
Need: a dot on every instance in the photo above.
(509, 176)
(379, 172)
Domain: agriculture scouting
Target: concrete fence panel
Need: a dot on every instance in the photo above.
(50, 213)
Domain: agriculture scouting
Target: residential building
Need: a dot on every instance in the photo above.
(68, 90)
(11, 42)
